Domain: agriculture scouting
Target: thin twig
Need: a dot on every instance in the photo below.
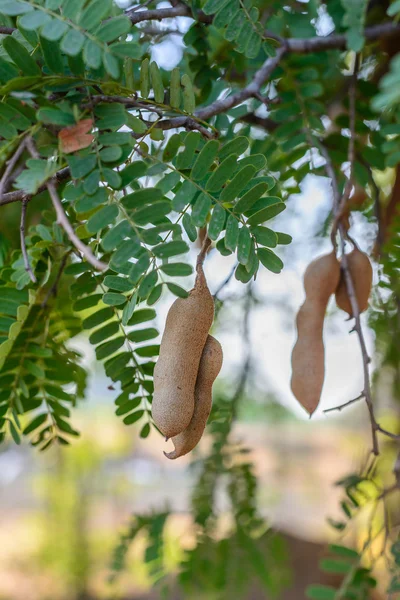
(10, 167)
(342, 406)
(62, 218)
(225, 282)
(250, 91)
(19, 195)
(358, 328)
(203, 252)
(53, 290)
(351, 150)
(27, 264)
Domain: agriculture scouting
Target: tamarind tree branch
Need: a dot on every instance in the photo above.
(342, 406)
(203, 252)
(19, 195)
(158, 14)
(351, 150)
(250, 91)
(10, 167)
(62, 218)
(27, 264)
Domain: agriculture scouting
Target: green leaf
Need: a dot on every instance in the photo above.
(151, 214)
(200, 210)
(172, 147)
(114, 299)
(133, 417)
(116, 235)
(14, 8)
(104, 333)
(217, 222)
(184, 195)
(128, 310)
(154, 295)
(53, 30)
(320, 592)
(20, 56)
(32, 177)
(189, 101)
(33, 20)
(94, 13)
(331, 565)
(204, 160)
(145, 431)
(81, 166)
(142, 315)
(344, 551)
(213, 6)
(267, 213)
(55, 116)
(117, 283)
(126, 49)
(14, 432)
(237, 184)
(108, 348)
(148, 284)
(244, 245)
(236, 146)
(175, 88)
(140, 197)
(140, 267)
(72, 42)
(52, 55)
(145, 78)
(110, 154)
(112, 29)
(249, 198)
(184, 159)
(125, 251)
(265, 236)
(283, 238)
(232, 233)
(99, 317)
(394, 8)
(128, 406)
(35, 423)
(222, 174)
(177, 290)
(105, 216)
(142, 335)
(270, 260)
(111, 64)
(189, 227)
(168, 249)
(157, 83)
(177, 269)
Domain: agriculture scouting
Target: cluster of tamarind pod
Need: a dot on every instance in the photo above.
(323, 277)
(188, 364)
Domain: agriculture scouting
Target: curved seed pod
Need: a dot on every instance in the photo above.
(186, 330)
(308, 357)
(210, 366)
(361, 273)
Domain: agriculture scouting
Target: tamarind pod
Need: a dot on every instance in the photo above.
(308, 356)
(210, 366)
(185, 334)
(360, 269)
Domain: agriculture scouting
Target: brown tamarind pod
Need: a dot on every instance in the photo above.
(360, 269)
(186, 330)
(210, 366)
(308, 357)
